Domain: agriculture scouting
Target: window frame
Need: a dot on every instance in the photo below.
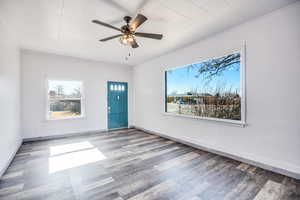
(82, 101)
(242, 122)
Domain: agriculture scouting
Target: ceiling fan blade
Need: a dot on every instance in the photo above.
(109, 38)
(134, 44)
(139, 20)
(149, 35)
(106, 25)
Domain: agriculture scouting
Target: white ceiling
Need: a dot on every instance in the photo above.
(64, 26)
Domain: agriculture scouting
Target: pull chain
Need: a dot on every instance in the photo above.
(127, 57)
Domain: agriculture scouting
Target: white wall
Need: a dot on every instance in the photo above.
(272, 135)
(10, 138)
(37, 67)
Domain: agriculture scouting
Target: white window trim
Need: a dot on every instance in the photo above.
(242, 122)
(82, 102)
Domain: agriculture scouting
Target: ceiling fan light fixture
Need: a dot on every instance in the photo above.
(126, 39)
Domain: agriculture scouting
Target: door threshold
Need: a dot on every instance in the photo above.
(115, 129)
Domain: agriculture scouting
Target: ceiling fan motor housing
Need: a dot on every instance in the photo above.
(126, 29)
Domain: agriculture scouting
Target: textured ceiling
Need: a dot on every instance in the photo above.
(64, 26)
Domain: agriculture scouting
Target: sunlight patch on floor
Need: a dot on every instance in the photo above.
(73, 155)
(60, 149)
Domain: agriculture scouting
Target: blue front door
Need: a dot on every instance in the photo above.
(117, 102)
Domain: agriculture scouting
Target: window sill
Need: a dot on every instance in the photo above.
(227, 121)
(66, 118)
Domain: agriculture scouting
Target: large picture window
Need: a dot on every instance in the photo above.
(211, 89)
(64, 99)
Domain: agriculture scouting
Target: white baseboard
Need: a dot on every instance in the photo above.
(11, 157)
(65, 135)
(287, 170)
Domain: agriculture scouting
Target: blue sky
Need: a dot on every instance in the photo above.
(182, 80)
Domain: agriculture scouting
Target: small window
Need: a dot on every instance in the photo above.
(111, 87)
(64, 99)
(119, 87)
(122, 88)
(116, 87)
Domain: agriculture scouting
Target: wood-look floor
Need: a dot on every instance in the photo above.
(131, 164)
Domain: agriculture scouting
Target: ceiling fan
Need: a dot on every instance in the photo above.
(128, 31)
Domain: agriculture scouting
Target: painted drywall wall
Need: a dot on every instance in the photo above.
(272, 134)
(37, 67)
(10, 137)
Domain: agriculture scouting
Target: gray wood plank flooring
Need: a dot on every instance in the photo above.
(134, 165)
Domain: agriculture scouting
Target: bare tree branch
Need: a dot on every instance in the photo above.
(215, 67)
